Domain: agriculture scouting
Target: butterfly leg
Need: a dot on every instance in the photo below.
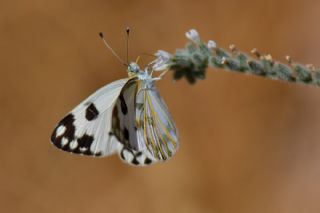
(160, 76)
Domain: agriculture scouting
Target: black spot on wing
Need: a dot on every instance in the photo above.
(67, 149)
(68, 123)
(122, 155)
(126, 134)
(124, 108)
(147, 161)
(134, 161)
(138, 154)
(98, 154)
(91, 112)
(85, 142)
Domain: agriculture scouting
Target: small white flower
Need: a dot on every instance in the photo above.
(193, 35)
(163, 54)
(162, 61)
(211, 45)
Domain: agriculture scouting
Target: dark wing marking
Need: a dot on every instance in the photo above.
(145, 126)
(91, 112)
(135, 158)
(123, 123)
(86, 129)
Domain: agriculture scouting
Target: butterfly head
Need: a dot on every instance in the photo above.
(133, 69)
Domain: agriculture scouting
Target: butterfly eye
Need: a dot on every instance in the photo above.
(133, 67)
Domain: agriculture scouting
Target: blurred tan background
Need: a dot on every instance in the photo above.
(247, 144)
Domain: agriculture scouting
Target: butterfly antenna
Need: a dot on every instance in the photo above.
(128, 33)
(112, 51)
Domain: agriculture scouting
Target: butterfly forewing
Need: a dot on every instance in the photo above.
(86, 129)
(123, 119)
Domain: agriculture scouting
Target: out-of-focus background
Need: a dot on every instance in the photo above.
(247, 144)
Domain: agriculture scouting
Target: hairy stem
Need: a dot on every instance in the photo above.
(192, 62)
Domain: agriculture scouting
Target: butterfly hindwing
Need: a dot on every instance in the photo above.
(135, 158)
(86, 129)
(155, 123)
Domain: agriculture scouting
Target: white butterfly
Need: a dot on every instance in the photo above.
(127, 117)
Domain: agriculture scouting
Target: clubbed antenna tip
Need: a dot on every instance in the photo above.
(128, 32)
(112, 51)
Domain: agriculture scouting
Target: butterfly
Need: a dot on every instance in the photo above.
(127, 116)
